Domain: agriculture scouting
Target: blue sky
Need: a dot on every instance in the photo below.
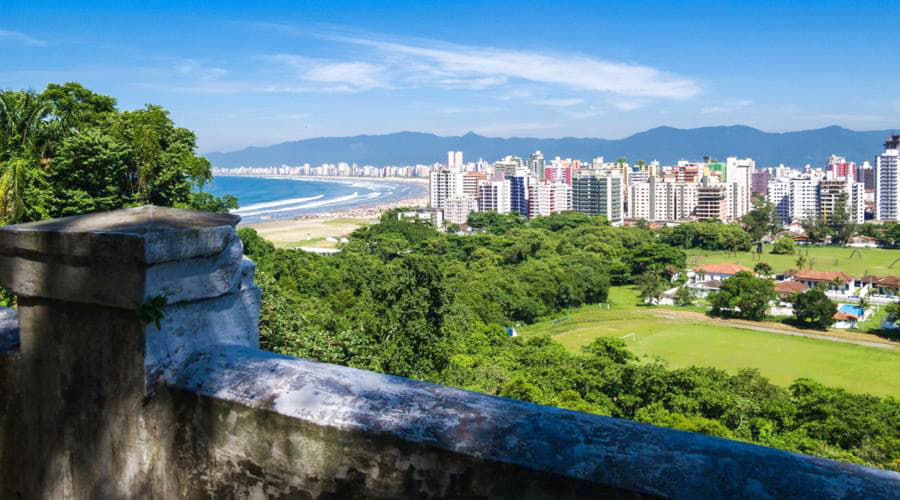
(243, 73)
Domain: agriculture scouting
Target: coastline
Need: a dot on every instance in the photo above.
(325, 229)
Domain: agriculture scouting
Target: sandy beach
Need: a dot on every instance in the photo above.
(326, 228)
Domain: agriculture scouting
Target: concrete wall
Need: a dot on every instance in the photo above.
(97, 404)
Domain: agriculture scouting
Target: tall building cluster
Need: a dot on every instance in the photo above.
(535, 186)
(801, 194)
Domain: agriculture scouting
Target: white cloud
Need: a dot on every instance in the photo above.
(562, 103)
(17, 36)
(193, 68)
(332, 76)
(574, 72)
(460, 111)
(728, 107)
(629, 104)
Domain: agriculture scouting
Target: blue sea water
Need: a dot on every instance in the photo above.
(272, 198)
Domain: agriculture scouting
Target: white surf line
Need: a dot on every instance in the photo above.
(276, 203)
(340, 199)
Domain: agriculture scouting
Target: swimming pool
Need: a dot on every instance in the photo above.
(852, 309)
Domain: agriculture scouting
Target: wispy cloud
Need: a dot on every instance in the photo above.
(562, 103)
(728, 107)
(20, 37)
(190, 67)
(335, 76)
(460, 111)
(573, 72)
(629, 104)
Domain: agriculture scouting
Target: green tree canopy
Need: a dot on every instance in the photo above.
(813, 309)
(784, 246)
(69, 151)
(743, 296)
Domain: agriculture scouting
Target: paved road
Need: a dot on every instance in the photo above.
(786, 330)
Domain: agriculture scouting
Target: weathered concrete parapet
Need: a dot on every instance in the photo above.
(87, 362)
(435, 437)
(122, 258)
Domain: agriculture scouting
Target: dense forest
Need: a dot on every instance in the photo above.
(404, 299)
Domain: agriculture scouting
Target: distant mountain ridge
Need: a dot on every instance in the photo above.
(665, 144)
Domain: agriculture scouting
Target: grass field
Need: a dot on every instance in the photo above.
(681, 343)
(853, 261)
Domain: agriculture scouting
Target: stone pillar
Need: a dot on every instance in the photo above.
(91, 289)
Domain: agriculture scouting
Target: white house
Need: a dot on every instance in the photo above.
(715, 272)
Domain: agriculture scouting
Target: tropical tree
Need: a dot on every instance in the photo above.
(761, 220)
(651, 285)
(762, 269)
(817, 230)
(14, 175)
(684, 297)
(840, 226)
(743, 296)
(813, 309)
(784, 246)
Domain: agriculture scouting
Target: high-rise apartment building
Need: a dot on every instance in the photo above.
(547, 197)
(457, 208)
(739, 171)
(759, 183)
(518, 193)
(598, 193)
(471, 180)
(804, 197)
(494, 195)
(657, 200)
(445, 183)
(887, 181)
(778, 193)
(837, 167)
(535, 164)
(454, 160)
(714, 202)
(853, 194)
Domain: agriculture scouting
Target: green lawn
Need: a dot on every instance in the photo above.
(781, 358)
(853, 261)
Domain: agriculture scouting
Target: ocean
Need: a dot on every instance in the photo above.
(273, 198)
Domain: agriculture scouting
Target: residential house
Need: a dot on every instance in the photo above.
(835, 282)
(715, 272)
(861, 241)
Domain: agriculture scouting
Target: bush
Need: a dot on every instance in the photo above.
(784, 246)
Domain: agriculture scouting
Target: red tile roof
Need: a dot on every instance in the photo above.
(839, 316)
(890, 281)
(790, 286)
(824, 276)
(722, 269)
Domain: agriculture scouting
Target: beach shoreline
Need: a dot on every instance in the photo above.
(325, 229)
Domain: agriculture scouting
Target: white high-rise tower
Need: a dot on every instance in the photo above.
(887, 181)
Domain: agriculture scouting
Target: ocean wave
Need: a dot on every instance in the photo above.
(303, 206)
(276, 203)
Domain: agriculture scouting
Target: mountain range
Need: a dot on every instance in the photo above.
(665, 144)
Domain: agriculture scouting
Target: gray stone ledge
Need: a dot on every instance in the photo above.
(606, 451)
(145, 234)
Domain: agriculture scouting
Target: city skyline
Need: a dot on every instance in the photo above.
(240, 77)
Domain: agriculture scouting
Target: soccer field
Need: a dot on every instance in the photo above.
(781, 358)
(853, 261)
